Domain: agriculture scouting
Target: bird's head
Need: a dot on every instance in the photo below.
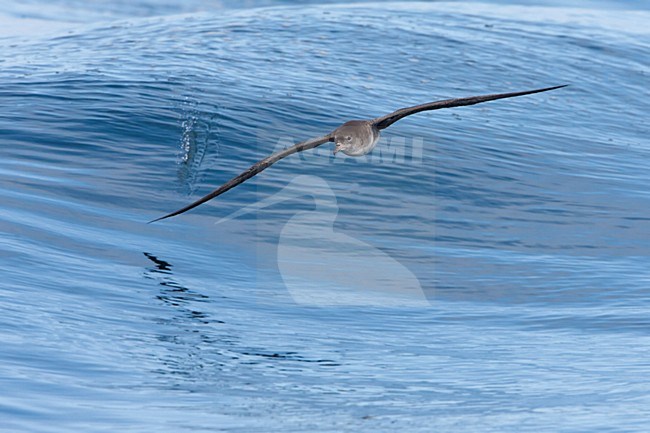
(345, 138)
(353, 138)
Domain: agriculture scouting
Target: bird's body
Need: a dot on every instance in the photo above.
(354, 138)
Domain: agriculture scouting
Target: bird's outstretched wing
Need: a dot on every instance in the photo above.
(384, 122)
(252, 171)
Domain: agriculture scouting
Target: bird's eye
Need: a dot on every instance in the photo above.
(348, 138)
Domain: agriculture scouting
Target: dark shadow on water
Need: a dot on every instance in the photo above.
(173, 293)
(198, 347)
(191, 345)
(161, 265)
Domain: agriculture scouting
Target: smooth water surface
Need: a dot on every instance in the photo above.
(485, 269)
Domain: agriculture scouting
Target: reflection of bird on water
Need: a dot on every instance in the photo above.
(354, 138)
(321, 266)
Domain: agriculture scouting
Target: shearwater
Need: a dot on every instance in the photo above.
(354, 138)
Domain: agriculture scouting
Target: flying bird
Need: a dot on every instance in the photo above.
(353, 138)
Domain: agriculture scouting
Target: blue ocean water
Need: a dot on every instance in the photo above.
(519, 227)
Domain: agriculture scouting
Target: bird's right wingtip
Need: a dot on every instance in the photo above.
(159, 219)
